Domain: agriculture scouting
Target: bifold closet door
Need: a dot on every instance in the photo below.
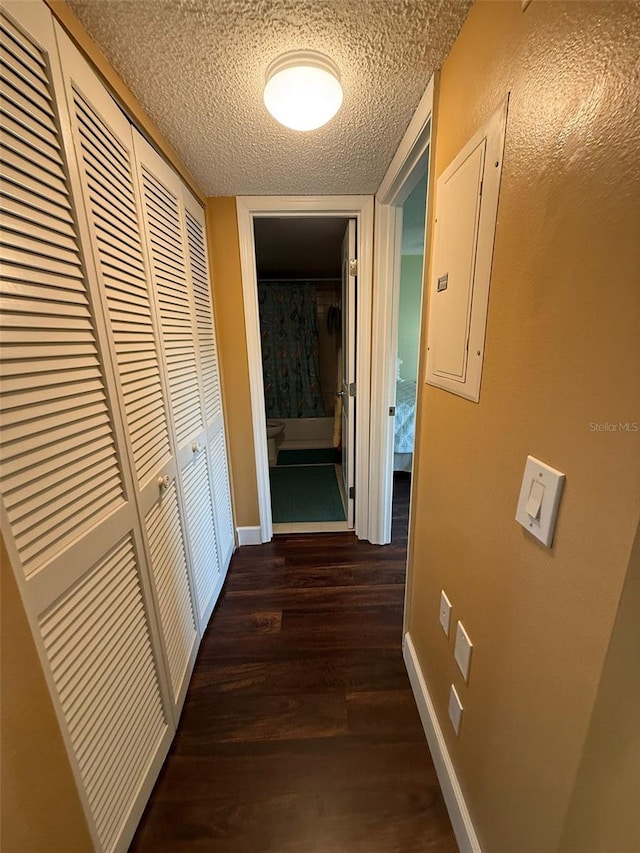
(69, 518)
(210, 376)
(103, 143)
(167, 240)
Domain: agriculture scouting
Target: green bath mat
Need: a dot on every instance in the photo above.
(305, 493)
(319, 456)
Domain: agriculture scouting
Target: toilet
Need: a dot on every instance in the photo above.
(275, 437)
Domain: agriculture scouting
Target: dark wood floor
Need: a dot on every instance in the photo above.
(299, 732)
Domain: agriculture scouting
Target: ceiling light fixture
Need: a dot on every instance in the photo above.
(303, 89)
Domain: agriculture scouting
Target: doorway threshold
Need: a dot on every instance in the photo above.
(311, 527)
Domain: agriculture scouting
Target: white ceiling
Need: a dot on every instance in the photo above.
(198, 67)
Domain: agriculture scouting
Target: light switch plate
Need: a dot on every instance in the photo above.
(539, 499)
(445, 612)
(455, 710)
(462, 652)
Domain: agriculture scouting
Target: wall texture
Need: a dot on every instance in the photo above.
(41, 810)
(561, 355)
(603, 813)
(224, 254)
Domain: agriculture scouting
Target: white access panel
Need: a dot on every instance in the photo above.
(457, 218)
(466, 211)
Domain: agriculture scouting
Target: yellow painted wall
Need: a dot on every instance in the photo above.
(562, 347)
(41, 810)
(224, 253)
(604, 815)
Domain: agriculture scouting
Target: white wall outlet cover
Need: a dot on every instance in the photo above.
(539, 499)
(445, 612)
(455, 710)
(463, 650)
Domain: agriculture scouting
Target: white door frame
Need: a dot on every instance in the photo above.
(405, 170)
(356, 207)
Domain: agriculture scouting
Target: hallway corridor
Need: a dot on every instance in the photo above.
(299, 732)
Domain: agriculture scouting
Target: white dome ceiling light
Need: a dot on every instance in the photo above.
(303, 89)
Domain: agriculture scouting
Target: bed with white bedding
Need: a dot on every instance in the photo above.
(405, 425)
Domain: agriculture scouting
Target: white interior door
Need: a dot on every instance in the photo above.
(103, 141)
(348, 392)
(173, 257)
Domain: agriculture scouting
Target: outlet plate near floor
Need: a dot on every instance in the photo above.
(455, 710)
(445, 612)
(463, 650)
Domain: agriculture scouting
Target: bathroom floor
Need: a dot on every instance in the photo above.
(305, 493)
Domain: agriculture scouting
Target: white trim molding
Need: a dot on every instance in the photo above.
(356, 207)
(408, 165)
(451, 791)
(249, 536)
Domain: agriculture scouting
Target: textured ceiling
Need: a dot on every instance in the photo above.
(198, 68)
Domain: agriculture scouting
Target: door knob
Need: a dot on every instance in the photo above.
(163, 482)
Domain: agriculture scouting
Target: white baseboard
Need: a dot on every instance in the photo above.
(249, 535)
(451, 791)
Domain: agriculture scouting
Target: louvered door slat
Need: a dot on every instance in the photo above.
(170, 572)
(16, 368)
(53, 433)
(31, 513)
(48, 468)
(111, 693)
(57, 235)
(204, 320)
(104, 156)
(18, 193)
(32, 319)
(210, 380)
(30, 145)
(163, 216)
(222, 498)
(201, 529)
(117, 202)
(118, 277)
(19, 59)
(27, 101)
(29, 182)
(36, 216)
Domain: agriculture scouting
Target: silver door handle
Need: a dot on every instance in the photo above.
(339, 393)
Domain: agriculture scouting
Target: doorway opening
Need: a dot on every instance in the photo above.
(299, 264)
(409, 315)
(407, 177)
(355, 397)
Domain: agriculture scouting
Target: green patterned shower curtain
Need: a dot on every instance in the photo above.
(289, 335)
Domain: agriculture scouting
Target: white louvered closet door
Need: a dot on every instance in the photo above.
(212, 398)
(161, 191)
(68, 515)
(103, 143)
